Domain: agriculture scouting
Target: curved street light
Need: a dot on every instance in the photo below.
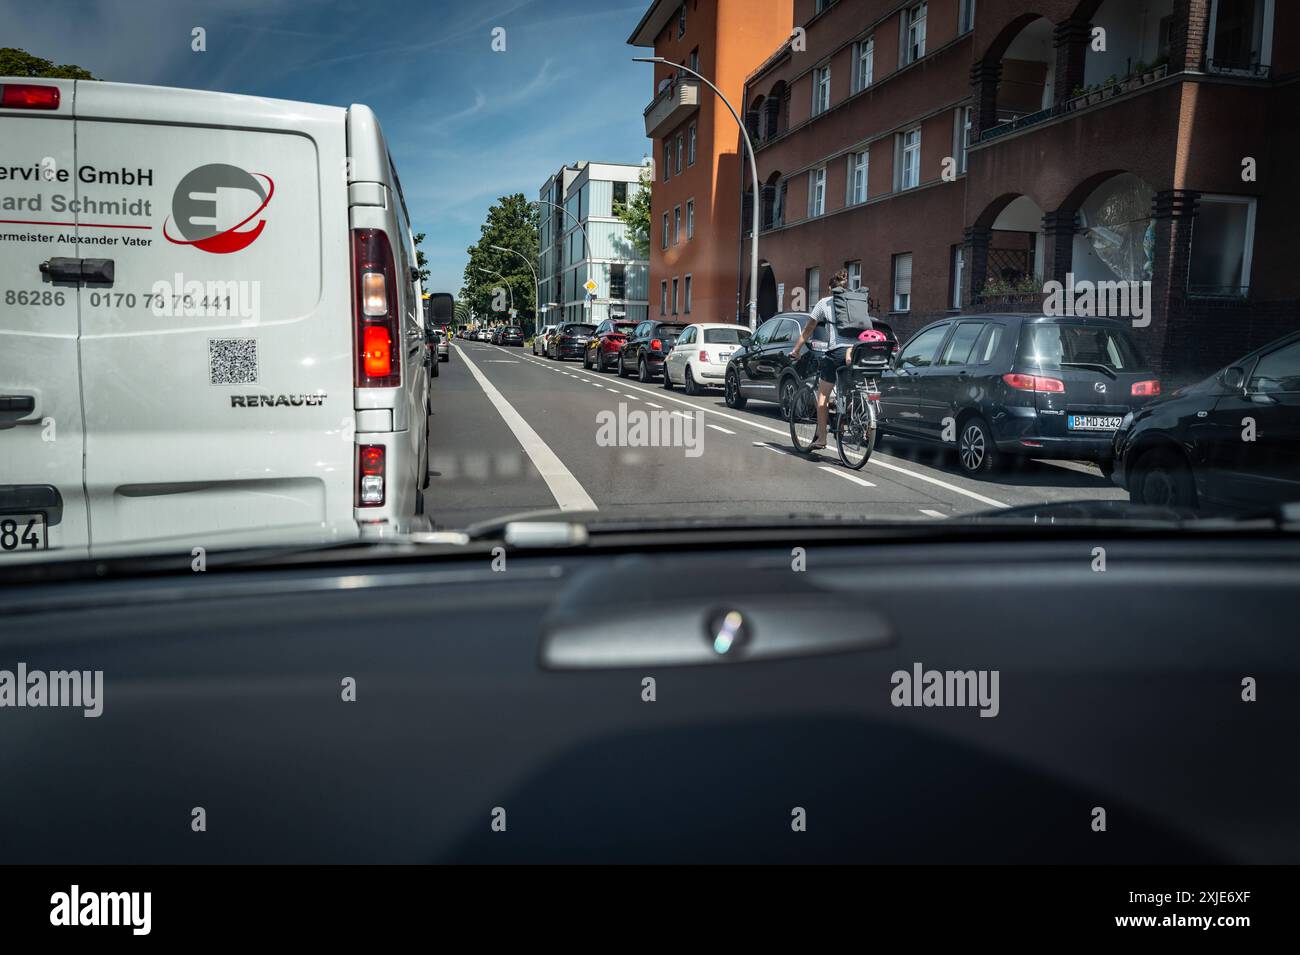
(537, 291)
(586, 242)
(753, 169)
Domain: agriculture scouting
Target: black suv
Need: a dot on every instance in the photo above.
(511, 335)
(646, 348)
(569, 340)
(1005, 385)
(1230, 442)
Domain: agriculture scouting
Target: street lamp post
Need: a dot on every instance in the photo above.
(753, 170)
(586, 243)
(504, 281)
(537, 289)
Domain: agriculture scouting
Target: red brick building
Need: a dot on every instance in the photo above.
(961, 153)
(693, 228)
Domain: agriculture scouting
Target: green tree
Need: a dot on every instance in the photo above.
(635, 214)
(15, 62)
(421, 262)
(512, 224)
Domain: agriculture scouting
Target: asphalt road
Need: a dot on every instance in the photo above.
(513, 433)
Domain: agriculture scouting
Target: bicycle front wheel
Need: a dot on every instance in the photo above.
(855, 431)
(803, 419)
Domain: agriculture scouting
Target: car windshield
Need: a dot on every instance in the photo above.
(1054, 345)
(281, 280)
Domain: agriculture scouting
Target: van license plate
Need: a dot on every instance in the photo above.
(1092, 422)
(20, 532)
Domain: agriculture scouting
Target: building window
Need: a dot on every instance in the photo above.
(962, 135)
(913, 34)
(674, 296)
(690, 146)
(903, 282)
(778, 208)
(695, 59)
(618, 280)
(681, 20)
(855, 274)
(687, 292)
(668, 158)
(817, 192)
(866, 64)
(858, 163)
(821, 89)
(908, 160)
(1241, 37)
(813, 279)
(677, 224)
(681, 149)
(663, 242)
(663, 298)
(823, 5)
(966, 17)
(690, 219)
(958, 275)
(1223, 244)
(620, 194)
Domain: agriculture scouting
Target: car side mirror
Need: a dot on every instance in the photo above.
(1234, 378)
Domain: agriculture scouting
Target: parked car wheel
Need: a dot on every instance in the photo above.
(976, 452)
(1161, 478)
(586, 360)
(788, 389)
(622, 368)
(688, 382)
(731, 391)
(643, 372)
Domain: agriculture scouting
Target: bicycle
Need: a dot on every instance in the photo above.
(854, 400)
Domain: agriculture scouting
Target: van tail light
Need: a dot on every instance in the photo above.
(374, 310)
(656, 344)
(28, 96)
(1145, 389)
(1034, 383)
(370, 475)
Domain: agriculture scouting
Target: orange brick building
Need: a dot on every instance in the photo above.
(695, 205)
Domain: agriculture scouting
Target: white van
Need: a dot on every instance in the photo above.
(210, 318)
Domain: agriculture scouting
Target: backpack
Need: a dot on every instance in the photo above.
(850, 306)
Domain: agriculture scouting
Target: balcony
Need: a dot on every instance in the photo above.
(674, 103)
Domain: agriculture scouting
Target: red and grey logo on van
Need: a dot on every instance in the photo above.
(213, 203)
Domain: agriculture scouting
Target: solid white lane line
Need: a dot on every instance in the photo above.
(848, 477)
(717, 428)
(929, 513)
(653, 405)
(875, 458)
(564, 487)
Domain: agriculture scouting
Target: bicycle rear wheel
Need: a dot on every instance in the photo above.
(855, 431)
(803, 419)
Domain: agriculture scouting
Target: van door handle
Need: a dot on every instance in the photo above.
(23, 404)
(79, 270)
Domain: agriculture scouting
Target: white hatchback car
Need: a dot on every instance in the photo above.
(539, 340)
(699, 358)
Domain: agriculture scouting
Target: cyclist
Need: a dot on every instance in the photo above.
(824, 311)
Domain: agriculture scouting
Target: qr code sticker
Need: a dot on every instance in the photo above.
(232, 361)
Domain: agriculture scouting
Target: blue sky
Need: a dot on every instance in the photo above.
(465, 124)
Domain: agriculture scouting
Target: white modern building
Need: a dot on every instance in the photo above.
(589, 192)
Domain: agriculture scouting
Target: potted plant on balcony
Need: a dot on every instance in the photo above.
(1095, 94)
(1025, 291)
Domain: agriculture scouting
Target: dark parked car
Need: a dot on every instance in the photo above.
(646, 347)
(1004, 385)
(606, 342)
(511, 335)
(762, 369)
(569, 340)
(1231, 441)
